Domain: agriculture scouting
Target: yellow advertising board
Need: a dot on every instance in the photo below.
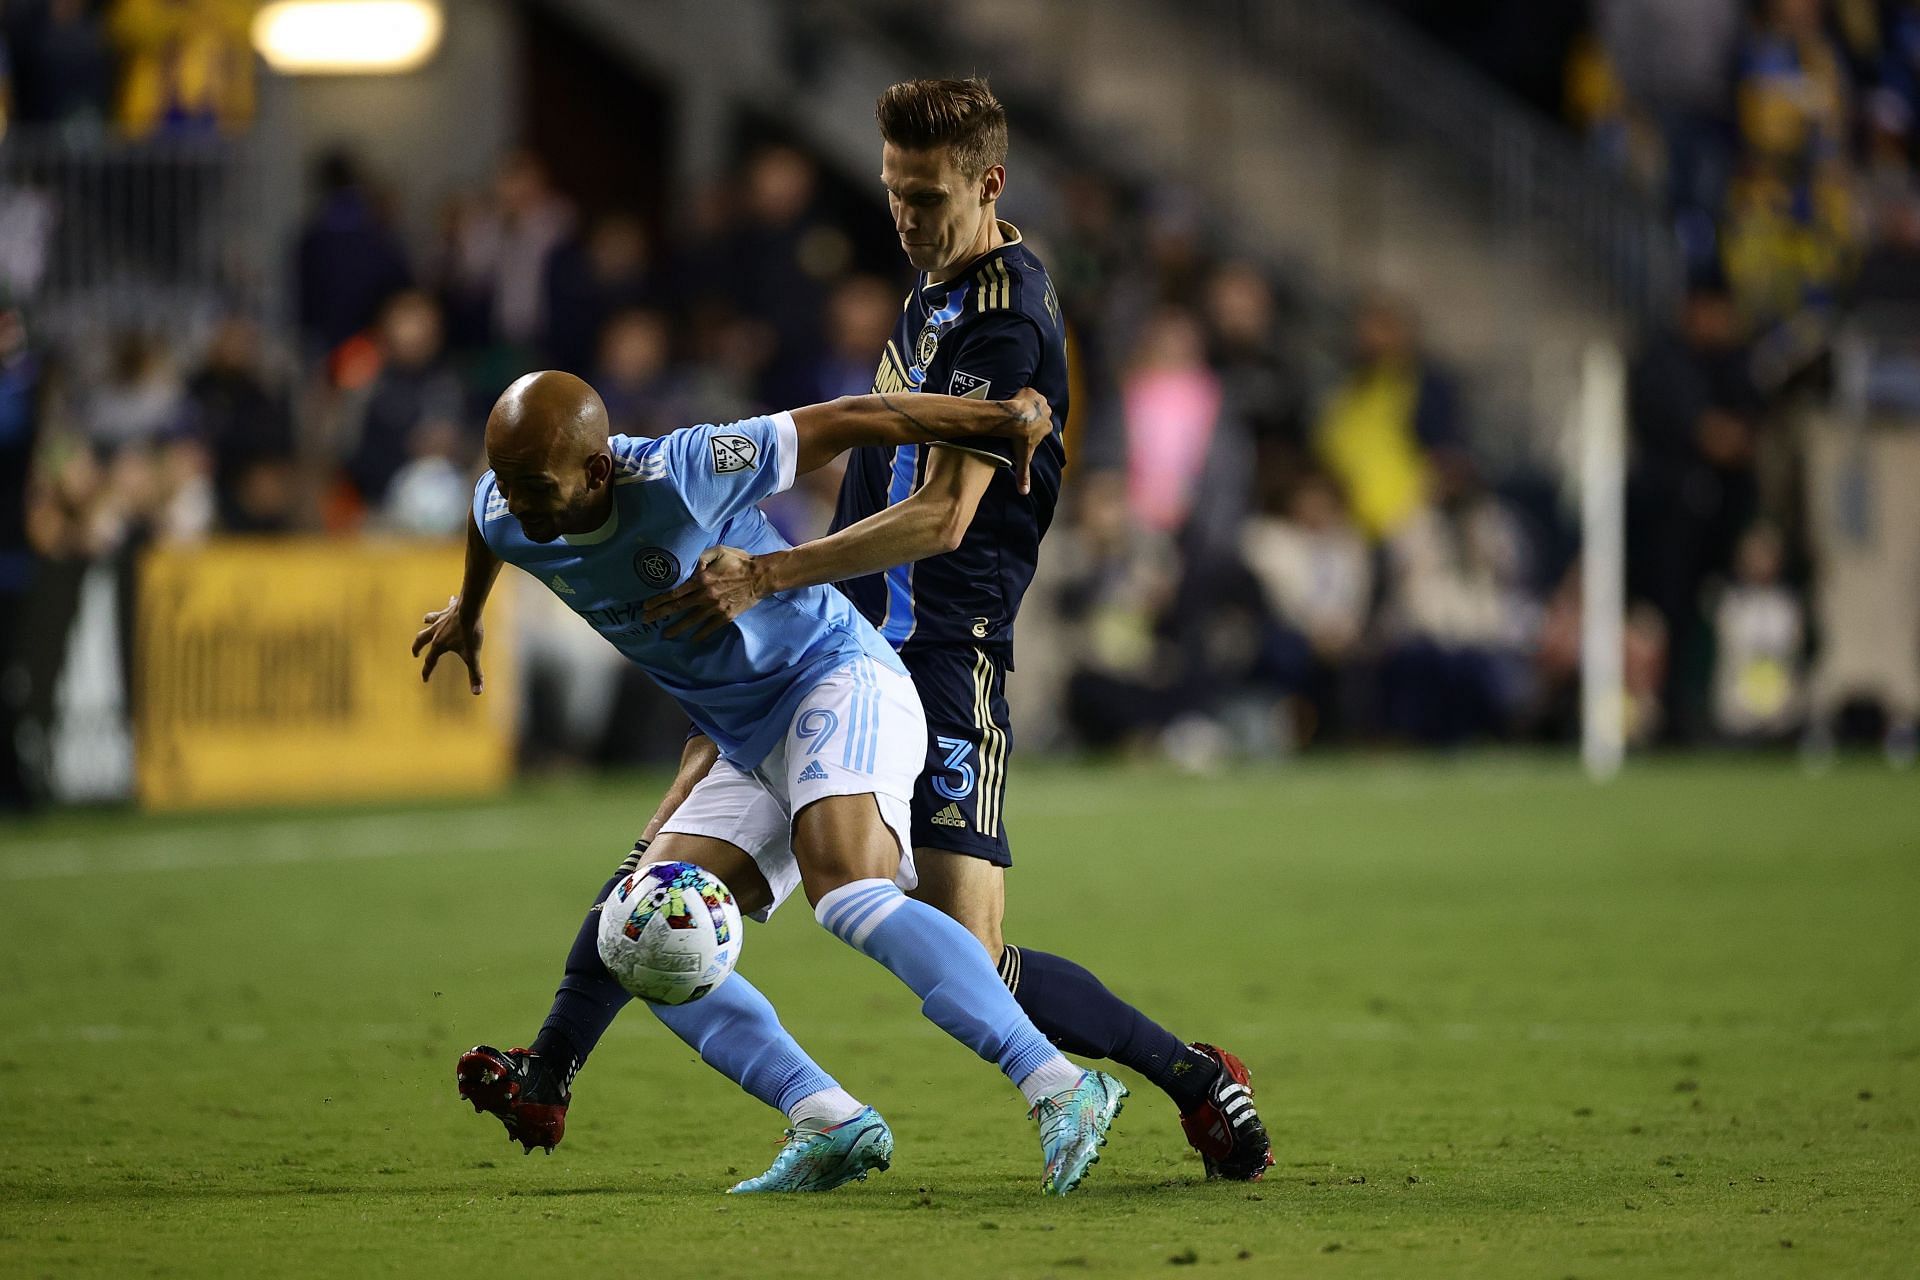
(277, 671)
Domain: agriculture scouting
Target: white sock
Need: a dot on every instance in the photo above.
(1049, 1078)
(824, 1109)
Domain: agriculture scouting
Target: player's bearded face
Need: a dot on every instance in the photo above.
(576, 513)
(548, 505)
(937, 210)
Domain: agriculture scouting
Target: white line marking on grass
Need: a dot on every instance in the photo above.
(1384, 781)
(1606, 1033)
(1585, 1032)
(224, 1033)
(268, 843)
(323, 838)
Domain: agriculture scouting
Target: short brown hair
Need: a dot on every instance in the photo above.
(961, 115)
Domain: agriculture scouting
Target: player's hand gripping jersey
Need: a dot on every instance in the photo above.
(674, 498)
(985, 335)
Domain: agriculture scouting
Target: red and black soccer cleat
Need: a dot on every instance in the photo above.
(530, 1099)
(1225, 1129)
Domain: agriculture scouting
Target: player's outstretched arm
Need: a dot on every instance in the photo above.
(697, 759)
(456, 628)
(931, 521)
(828, 430)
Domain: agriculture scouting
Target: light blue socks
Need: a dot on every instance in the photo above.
(949, 970)
(734, 1028)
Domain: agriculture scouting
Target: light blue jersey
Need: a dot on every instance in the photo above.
(674, 498)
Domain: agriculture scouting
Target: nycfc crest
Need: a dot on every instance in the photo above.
(657, 566)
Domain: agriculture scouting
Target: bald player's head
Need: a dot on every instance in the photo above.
(547, 444)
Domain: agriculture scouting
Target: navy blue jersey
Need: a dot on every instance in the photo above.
(986, 334)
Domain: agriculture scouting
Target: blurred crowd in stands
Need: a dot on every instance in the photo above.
(1268, 539)
(135, 68)
(1278, 530)
(1783, 139)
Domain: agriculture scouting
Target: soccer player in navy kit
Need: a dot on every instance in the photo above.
(936, 545)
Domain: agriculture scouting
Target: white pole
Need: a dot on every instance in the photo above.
(1603, 528)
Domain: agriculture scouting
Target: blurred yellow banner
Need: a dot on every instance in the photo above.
(277, 670)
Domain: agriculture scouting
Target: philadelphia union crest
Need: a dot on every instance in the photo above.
(656, 566)
(929, 343)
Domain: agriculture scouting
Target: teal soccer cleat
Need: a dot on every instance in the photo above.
(822, 1159)
(1073, 1128)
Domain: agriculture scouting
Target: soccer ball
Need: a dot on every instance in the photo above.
(670, 932)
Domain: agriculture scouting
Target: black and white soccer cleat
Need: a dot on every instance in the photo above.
(529, 1098)
(1225, 1129)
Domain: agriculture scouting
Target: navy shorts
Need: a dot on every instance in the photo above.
(957, 801)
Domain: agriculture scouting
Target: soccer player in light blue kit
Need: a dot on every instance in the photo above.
(820, 732)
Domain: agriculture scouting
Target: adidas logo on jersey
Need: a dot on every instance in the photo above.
(950, 817)
(559, 585)
(813, 772)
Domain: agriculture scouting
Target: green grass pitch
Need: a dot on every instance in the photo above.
(1502, 1023)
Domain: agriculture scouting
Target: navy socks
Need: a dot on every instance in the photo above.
(1077, 1012)
(589, 997)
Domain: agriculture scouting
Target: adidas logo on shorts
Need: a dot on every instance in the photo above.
(813, 772)
(950, 817)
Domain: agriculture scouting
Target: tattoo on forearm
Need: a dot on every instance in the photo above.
(1007, 410)
(921, 427)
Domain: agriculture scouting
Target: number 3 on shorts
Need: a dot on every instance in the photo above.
(957, 749)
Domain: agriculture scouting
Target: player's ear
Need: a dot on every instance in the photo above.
(992, 183)
(599, 469)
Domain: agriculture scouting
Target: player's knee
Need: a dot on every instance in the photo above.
(821, 874)
(736, 870)
(840, 839)
(985, 926)
(980, 916)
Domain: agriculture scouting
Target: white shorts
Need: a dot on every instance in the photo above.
(858, 732)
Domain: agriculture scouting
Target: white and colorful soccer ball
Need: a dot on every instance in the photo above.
(670, 932)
